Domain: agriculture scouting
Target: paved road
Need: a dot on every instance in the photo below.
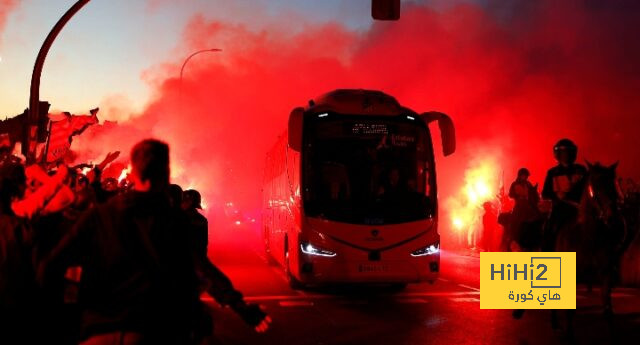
(447, 312)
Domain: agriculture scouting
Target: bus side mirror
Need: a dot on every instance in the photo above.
(447, 130)
(294, 130)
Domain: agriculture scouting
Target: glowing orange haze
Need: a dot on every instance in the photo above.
(513, 86)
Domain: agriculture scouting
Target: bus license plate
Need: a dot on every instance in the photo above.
(368, 268)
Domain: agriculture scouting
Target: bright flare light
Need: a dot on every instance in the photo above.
(125, 172)
(481, 185)
(458, 224)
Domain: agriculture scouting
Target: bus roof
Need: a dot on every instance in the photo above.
(357, 101)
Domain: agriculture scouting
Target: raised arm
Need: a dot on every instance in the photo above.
(219, 286)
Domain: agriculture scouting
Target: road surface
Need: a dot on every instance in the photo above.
(447, 312)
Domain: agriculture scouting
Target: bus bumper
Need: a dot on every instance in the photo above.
(321, 270)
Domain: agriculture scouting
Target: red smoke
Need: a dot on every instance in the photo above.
(6, 6)
(514, 80)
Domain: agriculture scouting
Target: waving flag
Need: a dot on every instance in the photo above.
(62, 129)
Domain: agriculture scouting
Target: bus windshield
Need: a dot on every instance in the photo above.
(367, 169)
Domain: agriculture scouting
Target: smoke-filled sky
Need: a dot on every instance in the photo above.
(104, 49)
(6, 6)
(514, 78)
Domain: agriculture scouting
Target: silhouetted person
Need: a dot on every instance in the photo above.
(490, 229)
(525, 209)
(175, 196)
(6, 150)
(520, 190)
(18, 289)
(563, 186)
(59, 299)
(391, 187)
(394, 187)
(191, 203)
(108, 189)
(140, 278)
(399, 203)
(103, 190)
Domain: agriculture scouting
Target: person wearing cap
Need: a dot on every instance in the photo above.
(563, 186)
(191, 203)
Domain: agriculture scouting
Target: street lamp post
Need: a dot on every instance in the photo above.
(29, 142)
(213, 50)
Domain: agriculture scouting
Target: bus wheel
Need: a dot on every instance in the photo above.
(293, 282)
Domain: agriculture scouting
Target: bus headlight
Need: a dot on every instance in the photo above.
(310, 249)
(428, 250)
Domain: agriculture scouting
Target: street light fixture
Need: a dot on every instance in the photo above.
(31, 126)
(212, 50)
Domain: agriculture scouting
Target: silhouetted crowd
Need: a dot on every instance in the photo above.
(96, 261)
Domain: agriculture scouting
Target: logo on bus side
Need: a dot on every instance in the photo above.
(374, 236)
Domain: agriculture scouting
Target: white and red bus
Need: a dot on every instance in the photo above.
(350, 191)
